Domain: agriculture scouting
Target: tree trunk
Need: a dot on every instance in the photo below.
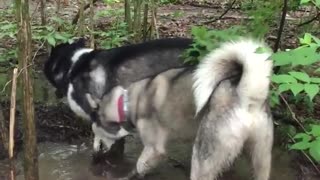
(81, 19)
(91, 24)
(24, 57)
(3, 130)
(145, 21)
(127, 15)
(42, 12)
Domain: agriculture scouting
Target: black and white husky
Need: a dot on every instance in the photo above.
(78, 72)
(227, 92)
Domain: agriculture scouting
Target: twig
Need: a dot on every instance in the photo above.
(307, 156)
(76, 18)
(224, 13)
(13, 111)
(33, 58)
(310, 20)
(280, 30)
(12, 120)
(293, 115)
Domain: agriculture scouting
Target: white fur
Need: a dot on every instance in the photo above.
(98, 76)
(107, 139)
(79, 53)
(256, 71)
(74, 106)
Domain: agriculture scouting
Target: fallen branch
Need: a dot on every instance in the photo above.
(293, 115)
(310, 20)
(224, 13)
(76, 18)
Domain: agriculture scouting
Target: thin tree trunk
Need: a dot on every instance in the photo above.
(4, 130)
(42, 12)
(12, 122)
(145, 21)
(81, 18)
(127, 10)
(91, 24)
(154, 18)
(24, 57)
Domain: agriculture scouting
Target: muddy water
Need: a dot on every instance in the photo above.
(59, 161)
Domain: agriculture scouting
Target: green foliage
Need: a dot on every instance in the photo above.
(117, 33)
(263, 13)
(205, 40)
(296, 79)
(309, 141)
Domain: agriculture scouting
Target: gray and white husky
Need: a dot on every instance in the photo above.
(222, 104)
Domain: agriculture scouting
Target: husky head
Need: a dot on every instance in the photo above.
(107, 124)
(59, 63)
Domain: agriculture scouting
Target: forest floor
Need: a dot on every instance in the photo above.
(56, 123)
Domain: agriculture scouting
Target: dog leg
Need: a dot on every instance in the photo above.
(154, 138)
(216, 146)
(261, 142)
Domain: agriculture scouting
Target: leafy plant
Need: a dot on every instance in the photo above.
(309, 141)
(296, 79)
(205, 40)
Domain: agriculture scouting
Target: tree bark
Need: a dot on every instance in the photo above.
(145, 21)
(24, 57)
(91, 24)
(42, 12)
(127, 14)
(3, 130)
(81, 18)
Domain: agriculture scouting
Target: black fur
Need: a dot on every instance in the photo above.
(60, 62)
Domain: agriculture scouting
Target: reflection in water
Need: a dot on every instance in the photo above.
(59, 161)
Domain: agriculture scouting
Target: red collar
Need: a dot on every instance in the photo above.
(121, 112)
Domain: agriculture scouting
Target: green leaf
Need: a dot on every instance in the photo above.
(314, 150)
(51, 40)
(304, 1)
(301, 145)
(296, 88)
(283, 87)
(300, 76)
(317, 40)
(317, 3)
(261, 50)
(305, 137)
(317, 70)
(281, 58)
(311, 90)
(315, 130)
(283, 78)
(60, 37)
(305, 55)
(306, 39)
(315, 80)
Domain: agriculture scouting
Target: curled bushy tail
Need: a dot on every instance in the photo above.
(225, 61)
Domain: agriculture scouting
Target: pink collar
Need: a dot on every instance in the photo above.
(122, 105)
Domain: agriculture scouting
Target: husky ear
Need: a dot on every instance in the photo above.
(93, 101)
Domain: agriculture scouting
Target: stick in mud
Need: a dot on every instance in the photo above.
(12, 121)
